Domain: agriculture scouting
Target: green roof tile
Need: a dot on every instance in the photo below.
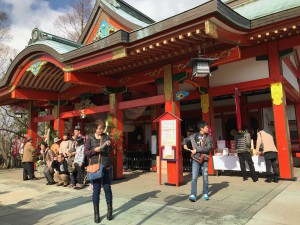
(259, 8)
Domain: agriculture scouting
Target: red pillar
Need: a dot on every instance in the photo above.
(117, 114)
(282, 131)
(244, 111)
(174, 169)
(208, 116)
(59, 124)
(32, 126)
(297, 111)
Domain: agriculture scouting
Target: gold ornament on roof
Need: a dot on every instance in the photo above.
(277, 93)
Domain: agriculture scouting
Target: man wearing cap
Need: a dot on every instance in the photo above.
(55, 146)
(28, 169)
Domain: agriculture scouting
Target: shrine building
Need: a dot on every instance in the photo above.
(134, 69)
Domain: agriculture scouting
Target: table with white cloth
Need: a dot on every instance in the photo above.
(233, 163)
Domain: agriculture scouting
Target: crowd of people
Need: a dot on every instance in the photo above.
(200, 144)
(65, 161)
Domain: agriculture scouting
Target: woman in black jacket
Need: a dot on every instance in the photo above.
(99, 143)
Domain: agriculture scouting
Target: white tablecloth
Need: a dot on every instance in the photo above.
(232, 163)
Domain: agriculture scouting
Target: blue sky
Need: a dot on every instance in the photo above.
(25, 15)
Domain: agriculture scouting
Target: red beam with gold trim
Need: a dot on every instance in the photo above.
(34, 95)
(87, 111)
(75, 91)
(159, 99)
(43, 118)
(244, 86)
(90, 79)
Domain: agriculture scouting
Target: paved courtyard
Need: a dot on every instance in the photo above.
(139, 199)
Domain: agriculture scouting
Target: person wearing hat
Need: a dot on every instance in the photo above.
(55, 146)
(28, 169)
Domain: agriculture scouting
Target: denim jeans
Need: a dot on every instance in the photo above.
(106, 186)
(195, 173)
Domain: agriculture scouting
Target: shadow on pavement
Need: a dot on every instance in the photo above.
(135, 201)
(30, 216)
(216, 187)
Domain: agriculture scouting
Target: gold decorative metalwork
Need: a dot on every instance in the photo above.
(125, 80)
(112, 103)
(277, 93)
(168, 82)
(205, 103)
(68, 68)
(36, 67)
(154, 74)
(211, 29)
(180, 67)
(119, 53)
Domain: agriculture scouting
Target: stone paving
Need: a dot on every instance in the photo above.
(139, 199)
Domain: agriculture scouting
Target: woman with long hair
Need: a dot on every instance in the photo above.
(100, 143)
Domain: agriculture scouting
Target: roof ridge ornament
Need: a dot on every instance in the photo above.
(114, 3)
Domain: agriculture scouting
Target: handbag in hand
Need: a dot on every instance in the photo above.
(261, 147)
(94, 171)
(202, 156)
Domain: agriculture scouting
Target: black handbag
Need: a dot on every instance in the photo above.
(261, 147)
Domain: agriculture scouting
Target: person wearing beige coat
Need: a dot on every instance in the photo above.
(266, 141)
(28, 169)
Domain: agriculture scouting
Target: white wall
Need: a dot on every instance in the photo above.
(218, 129)
(289, 76)
(241, 71)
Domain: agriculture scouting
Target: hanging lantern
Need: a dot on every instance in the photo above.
(201, 66)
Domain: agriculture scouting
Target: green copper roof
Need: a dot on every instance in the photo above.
(59, 44)
(259, 8)
(59, 47)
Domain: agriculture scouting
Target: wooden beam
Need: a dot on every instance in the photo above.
(145, 88)
(34, 95)
(243, 86)
(291, 67)
(159, 99)
(43, 118)
(87, 111)
(77, 90)
(90, 79)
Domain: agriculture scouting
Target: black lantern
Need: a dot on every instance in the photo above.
(201, 66)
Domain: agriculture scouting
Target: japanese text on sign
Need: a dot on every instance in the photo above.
(168, 133)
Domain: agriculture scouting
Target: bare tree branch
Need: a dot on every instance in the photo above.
(72, 23)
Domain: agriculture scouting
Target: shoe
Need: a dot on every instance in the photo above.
(255, 179)
(268, 180)
(205, 197)
(51, 183)
(275, 179)
(192, 198)
(25, 179)
(245, 178)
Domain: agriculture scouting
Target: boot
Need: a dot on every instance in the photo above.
(109, 211)
(269, 179)
(96, 213)
(275, 179)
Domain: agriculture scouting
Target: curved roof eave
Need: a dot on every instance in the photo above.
(32, 50)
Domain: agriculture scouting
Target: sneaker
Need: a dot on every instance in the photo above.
(192, 198)
(255, 179)
(205, 197)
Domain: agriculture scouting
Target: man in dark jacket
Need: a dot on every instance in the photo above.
(60, 167)
(202, 144)
(242, 143)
